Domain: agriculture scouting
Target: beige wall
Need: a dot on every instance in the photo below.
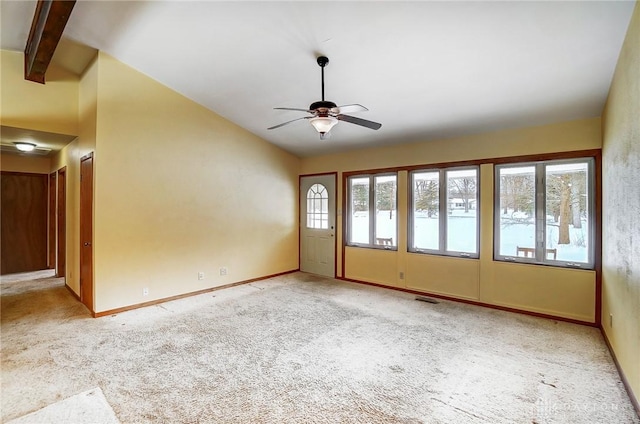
(69, 157)
(19, 163)
(621, 208)
(51, 107)
(180, 190)
(177, 190)
(564, 136)
(555, 291)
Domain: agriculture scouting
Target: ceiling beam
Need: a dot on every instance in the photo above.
(49, 20)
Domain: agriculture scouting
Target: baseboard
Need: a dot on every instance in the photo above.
(623, 377)
(72, 292)
(182, 296)
(475, 303)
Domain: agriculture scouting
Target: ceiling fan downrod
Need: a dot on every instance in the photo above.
(323, 61)
(322, 107)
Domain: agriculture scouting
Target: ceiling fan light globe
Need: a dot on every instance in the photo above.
(323, 124)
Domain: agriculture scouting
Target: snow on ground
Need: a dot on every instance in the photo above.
(516, 229)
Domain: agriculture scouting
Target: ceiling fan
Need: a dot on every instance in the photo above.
(325, 114)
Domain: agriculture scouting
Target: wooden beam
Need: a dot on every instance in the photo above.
(49, 20)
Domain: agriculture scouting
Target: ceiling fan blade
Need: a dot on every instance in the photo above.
(288, 122)
(359, 121)
(349, 109)
(293, 108)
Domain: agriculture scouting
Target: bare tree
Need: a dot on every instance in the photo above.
(465, 188)
(577, 183)
(565, 209)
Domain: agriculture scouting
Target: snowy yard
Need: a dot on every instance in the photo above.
(515, 230)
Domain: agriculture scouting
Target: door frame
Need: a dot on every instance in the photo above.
(86, 233)
(61, 266)
(51, 258)
(335, 218)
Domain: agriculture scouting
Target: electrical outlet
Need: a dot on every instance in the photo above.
(401, 275)
(201, 275)
(223, 271)
(610, 320)
(145, 291)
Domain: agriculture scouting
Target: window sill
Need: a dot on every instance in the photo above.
(565, 265)
(446, 254)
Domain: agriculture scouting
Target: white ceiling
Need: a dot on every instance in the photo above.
(425, 70)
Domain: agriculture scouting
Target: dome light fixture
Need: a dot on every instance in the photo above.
(323, 124)
(25, 147)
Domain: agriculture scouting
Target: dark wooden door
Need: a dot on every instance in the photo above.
(52, 220)
(62, 223)
(23, 231)
(86, 231)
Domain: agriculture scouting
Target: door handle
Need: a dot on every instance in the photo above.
(87, 243)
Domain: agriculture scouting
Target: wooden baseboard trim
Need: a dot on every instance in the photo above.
(72, 292)
(475, 303)
(182, 296)
(623, 377)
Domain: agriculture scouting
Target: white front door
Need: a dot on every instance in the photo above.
(317, 224)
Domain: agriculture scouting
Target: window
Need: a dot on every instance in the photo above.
(318, 207)
(544, 212)
(444, 212)
(372, 214)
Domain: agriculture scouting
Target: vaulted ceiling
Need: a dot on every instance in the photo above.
(425, 70)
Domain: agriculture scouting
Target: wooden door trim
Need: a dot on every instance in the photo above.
(52, 220)
(61, 268)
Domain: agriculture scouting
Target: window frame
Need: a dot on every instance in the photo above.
(443, 191)
(322, 214)
(540, 204)
(372, 209)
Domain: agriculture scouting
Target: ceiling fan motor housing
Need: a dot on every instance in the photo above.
(322, 107)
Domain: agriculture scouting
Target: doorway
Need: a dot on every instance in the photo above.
(317, 224)
(86, 231)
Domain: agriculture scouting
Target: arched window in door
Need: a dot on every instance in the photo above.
(318, 207)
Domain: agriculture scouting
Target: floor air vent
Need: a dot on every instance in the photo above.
(427, 299)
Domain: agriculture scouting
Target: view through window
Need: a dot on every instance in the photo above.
(544, 212)
(373, 210)
(318, 207)
(444, 216)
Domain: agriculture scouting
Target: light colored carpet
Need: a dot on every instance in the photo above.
(87, 407)
(300, 348)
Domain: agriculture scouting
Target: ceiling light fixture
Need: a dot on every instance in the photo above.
(323, 124)
(325, 114)
(25, 147)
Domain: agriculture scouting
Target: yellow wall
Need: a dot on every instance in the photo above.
(621, 208)
(51, 107)
(24, 163)
(180, 190)
(69, 157)
(555, 291)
